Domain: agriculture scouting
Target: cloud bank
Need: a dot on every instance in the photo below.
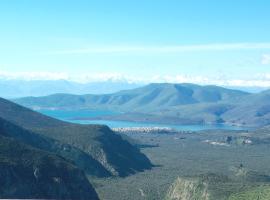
(260, 80)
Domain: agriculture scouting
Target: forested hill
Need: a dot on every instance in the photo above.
(26, 172)
(86, 145)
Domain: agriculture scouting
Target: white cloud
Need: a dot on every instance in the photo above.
(33, 75)
(164, 49)
(257, 81)
(82, 78)
(261, 80)
(265, 59)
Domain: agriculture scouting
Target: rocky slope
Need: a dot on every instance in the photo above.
(26, 172)
(188, 189)
(88, 144)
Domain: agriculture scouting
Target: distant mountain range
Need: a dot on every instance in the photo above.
(170, 103)
(22, 88)
(41, 157)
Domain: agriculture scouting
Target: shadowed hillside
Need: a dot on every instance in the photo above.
(97, 144)
(80, 158)
(26, 172)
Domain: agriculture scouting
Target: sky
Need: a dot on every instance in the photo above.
(200, 41)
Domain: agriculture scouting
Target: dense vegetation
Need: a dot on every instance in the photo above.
(81, 159)
(26, 172)
(206, 165)
(221, 172)
(260, 192)
(40, 156)
(86, 145)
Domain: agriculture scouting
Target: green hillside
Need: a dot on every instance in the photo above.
(199, 189)
(151, 96)
(260, 192)
(80, 158)
(254, 110)
(169, 103)
(26, 172)
(88, 144)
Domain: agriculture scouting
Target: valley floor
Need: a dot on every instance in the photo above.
(188, 155)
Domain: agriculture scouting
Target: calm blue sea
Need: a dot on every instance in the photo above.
(70, 116)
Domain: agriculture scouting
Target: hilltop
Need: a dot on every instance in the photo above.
(169, 103)
(161, 95)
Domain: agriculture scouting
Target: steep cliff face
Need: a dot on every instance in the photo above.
(188, 189)
(80, 158)
(95, 149)
(26, 172)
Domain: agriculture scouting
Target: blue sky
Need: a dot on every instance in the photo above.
(138, 40)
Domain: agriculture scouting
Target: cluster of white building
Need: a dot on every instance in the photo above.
(145, 130)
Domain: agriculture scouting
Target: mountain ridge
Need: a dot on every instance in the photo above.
(177, 103)
(158, 94)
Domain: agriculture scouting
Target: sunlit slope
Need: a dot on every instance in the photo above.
(152, 96)
(188, 189)
(254, 110)
(260, 192)
(240, 185)
(175, 103)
